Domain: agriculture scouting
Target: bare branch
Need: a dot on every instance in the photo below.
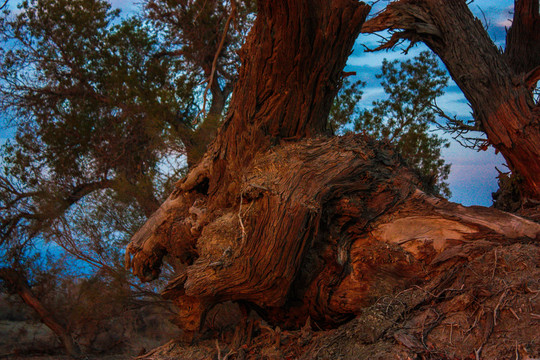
(216, 56)
(61, 204)
(458, 130)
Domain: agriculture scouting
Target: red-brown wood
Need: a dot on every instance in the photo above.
(294, 223)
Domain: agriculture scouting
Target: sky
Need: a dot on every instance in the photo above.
(473, 175)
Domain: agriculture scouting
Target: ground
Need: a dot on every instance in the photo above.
(484, 303)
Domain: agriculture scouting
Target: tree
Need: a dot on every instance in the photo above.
(499, 85)
(298, 225)
(23, 270)
(93, 107)
(17, 283)
(345, 107)
(406, 117)
(91, 115)
(205, 36)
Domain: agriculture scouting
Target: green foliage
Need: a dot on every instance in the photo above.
(97, 114)
(345, 106)
(94, 108)
(90, 98)
(193, 30)
(405, 116)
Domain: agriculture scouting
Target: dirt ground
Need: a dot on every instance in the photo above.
(484, 303)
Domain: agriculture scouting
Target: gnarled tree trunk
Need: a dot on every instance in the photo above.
(292, 67)
(292, 222)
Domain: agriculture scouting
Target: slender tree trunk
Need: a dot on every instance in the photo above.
(17, 283)
(196, 141)
(497, 86)
(207, 130)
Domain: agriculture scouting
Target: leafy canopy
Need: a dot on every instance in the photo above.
(406, 116)
(90, 100)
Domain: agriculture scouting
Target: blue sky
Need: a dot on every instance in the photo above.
(473, 175)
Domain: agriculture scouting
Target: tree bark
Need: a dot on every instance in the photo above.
(498, 86)
(291, 68)
(294, 223)
(18, 284)
(522, 50)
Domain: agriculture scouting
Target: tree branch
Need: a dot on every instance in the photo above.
(414, 21)
(216, 56)
(17, 283)
(532, 78)
(523, 39)
(61, 204)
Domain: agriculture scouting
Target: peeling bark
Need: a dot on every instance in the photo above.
(346, 227)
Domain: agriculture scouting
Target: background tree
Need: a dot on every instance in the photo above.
(16, 282)
(89, 101)
(92, 107)
(205, 36)
(407, 117)
(345, 107)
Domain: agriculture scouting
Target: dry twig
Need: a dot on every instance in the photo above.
(494, 266)
(495, 311)
(216, 57)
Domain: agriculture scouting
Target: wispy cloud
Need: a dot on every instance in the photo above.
(504, 19)
(505, 23)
